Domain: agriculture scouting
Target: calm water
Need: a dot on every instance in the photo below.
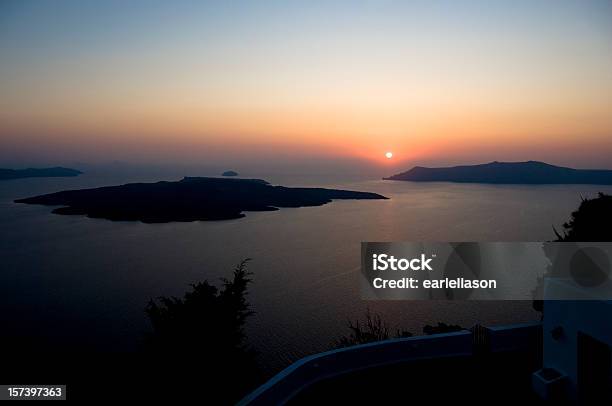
(82, 284)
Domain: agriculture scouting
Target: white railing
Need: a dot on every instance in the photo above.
(309, 370)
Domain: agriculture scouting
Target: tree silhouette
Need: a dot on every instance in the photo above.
(205, 329)
(591, 222)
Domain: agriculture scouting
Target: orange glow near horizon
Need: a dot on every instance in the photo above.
(449, 85)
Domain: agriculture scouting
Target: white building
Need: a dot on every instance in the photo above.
(577, 340)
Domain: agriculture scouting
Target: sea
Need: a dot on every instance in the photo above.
(72, 283)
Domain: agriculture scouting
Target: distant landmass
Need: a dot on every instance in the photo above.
(189, 199)
(6, 174)
(229, 173)
(531, 172)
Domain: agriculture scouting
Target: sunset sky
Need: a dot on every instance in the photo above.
(440, 82)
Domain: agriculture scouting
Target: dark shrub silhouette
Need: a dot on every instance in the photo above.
(205, 329)
(591, 222)
(373, 329)
(376, 329)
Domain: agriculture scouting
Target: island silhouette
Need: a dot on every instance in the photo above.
(190, 199)
(58, 171)
(530, 172)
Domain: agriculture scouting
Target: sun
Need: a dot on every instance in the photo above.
(389, 155)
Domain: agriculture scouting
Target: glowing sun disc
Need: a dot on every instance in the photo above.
(389, 155)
